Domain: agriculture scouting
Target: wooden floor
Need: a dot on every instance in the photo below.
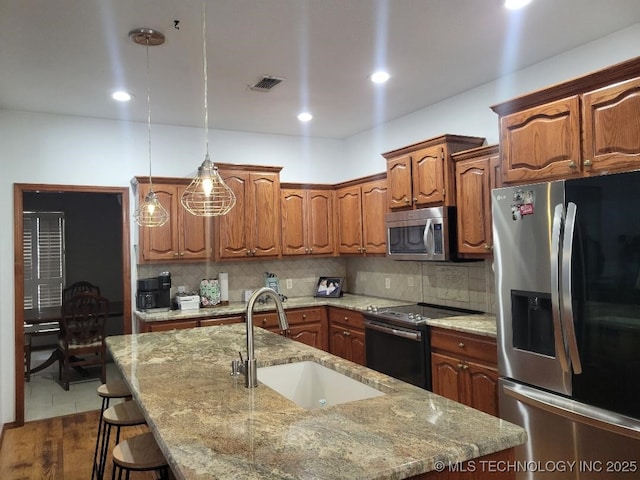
(59, 448)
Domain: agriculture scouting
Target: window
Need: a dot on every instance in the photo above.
(43, 246)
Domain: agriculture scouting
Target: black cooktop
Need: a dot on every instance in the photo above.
(415, 314)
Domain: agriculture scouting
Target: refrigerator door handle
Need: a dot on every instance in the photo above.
(556, 230)
(575, 411)
(428, 234)
(567, 304)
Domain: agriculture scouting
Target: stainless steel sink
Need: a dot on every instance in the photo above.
(311, 385)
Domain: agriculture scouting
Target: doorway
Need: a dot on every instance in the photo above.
(25, 192)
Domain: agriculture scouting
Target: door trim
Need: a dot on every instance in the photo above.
(19, 189)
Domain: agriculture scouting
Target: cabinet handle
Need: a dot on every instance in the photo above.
(311, 250)
(572, 164)
(464, 367)
(346, 334)
(182, 254)
(304, 315)
(415, 200)
(488, 247)
(248, 253)
(176, 254)
(346, 319)
(264, 321)
(460, 366)
(588, 163)
(461, 345)
(406, 200)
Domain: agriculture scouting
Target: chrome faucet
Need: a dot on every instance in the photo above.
(250, 369)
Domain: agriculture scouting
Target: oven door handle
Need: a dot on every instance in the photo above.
(416, 336)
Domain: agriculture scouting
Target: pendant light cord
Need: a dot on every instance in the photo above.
(149, 116)
(204, 66)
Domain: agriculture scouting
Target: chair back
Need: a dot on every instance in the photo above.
(83, 319)
(78, 287)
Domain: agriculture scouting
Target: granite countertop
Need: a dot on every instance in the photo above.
(210, 426)
(484, 325)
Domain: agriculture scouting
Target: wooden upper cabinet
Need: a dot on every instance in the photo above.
(586, 126)
(361, 208)
(422, 174)
(475, 177)
(252, 227)
(184, 236)
(307, 221)
(611, 128)
(542, 142)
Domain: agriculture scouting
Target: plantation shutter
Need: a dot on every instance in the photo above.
(43, 247)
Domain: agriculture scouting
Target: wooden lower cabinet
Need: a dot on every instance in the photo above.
(346, 334)
(309, 326)
(210, 322)
(464, 369)
(171, 325)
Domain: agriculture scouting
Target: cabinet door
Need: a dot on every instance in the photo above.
(399, 182)
(319, 222)
(611, 128)
(195, 235)
(446, 376)
(338, 342)
(349, 220)
(264, 214)
(374, 208)
(232, 231)
(541, 143)
(356, 347)
(310, 334)
(481, 387)
(473, 198)
(161, 243)
(428, 176)
(294, 222)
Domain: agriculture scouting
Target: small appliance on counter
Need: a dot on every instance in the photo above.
(188, 301)
(154, 293)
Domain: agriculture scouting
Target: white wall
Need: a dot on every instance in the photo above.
(53, 149)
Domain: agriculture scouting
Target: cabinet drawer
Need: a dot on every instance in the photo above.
(304, 315)
(265, 319)
(464, 345)
(177, 325)
(207, 322)
(346, 317)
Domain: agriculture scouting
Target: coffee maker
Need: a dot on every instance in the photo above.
(154, 293)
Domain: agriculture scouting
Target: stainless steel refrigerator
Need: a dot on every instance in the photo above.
(567, 269)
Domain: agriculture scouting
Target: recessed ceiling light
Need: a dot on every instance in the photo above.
(121, 96)
(379, 77)
(516, 4)
(305, 117)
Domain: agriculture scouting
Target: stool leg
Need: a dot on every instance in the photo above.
(104, 450)
(105, 405)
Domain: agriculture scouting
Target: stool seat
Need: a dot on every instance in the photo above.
(140, 452)
(114, 389)
(124, 414)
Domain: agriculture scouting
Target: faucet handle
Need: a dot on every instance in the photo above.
(237, 366)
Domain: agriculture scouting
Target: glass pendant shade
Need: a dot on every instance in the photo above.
(207, 195)
(151, 213)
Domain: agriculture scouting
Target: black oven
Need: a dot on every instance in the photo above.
(397, 340)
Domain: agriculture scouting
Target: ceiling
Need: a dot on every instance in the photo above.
(67, 56)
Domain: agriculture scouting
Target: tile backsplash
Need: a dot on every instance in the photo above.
(463, 285)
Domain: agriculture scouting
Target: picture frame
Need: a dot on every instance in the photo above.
(329, 287)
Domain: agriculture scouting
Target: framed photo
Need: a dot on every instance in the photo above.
(329, 287)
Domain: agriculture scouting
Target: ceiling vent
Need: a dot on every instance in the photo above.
(266, 83)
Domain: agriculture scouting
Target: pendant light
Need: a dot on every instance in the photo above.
(207, 195)
(150, 213)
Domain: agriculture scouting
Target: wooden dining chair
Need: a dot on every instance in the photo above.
(82, 332)
(79, 287)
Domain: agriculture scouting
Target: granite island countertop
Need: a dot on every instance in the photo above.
(210, 426)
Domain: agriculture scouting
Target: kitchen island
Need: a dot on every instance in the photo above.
(210, 426)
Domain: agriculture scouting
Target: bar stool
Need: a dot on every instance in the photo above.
(139, 454)
(107, 391)
(125, 414)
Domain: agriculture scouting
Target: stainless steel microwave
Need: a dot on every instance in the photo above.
(425, 234)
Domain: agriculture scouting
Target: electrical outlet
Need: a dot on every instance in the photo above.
(387, 282)
(289, 284)
(410, 282)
